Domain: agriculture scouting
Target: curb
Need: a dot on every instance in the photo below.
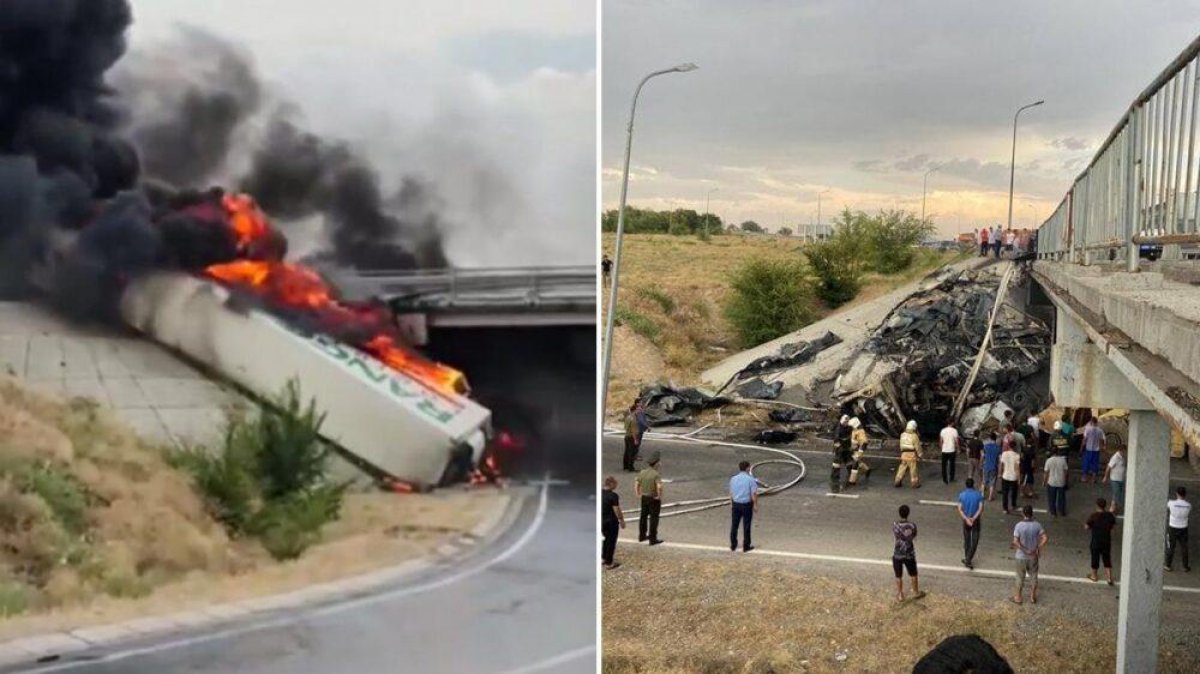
(52, 646)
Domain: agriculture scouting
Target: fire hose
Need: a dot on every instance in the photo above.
(698, 505)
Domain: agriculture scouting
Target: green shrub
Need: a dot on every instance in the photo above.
(639, 323)
(61, 492)
(269, 478)
(769, 298)
(291, 524)
(664, 301)
(290, 452)
(225, 478)
(15, 598)
(838, 265)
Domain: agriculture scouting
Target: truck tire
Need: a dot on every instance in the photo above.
(960, 654)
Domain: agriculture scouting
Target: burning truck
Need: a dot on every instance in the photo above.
(205, 272)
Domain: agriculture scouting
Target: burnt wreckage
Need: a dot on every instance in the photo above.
(921, 356)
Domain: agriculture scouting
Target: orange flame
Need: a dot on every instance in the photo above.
(295, 286)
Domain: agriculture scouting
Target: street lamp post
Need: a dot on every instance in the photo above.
(1012, 167)
(818, 232)
(616, 272)
(924, 185)
(707, 197)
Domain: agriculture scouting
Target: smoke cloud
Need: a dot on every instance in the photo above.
(97, 186)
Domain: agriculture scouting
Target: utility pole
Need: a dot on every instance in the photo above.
(1012, 166)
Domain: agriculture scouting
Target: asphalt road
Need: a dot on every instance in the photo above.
(821, 532)
(524, 603)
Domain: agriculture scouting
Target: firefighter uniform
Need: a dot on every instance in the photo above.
(910, 454)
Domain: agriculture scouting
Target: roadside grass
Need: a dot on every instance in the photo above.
(671, 613)
(674, 293)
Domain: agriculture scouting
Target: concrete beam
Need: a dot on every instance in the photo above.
(1155, 378)
(1081, 375)
(1142, 544)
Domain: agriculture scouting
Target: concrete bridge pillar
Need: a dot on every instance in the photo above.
(1081, 375)
(1142, 542)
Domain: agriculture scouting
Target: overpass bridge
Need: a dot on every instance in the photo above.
(492, 297)
(1115, 267)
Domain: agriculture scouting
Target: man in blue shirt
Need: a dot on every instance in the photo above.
(991, 465)
(970, 509)
(743, 493)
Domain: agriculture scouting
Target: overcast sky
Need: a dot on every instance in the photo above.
(493, 103)
(861, 97)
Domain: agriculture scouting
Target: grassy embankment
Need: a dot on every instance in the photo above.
(672, 300)
(96, 525)
(766, 618)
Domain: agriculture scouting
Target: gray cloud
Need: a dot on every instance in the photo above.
(851, 95)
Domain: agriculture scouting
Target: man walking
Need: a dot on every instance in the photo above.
(1010, 473)
(1034, 422)
(635, 429)
(983, 242)
(970, 508)
(612, 520)
(743, 493)
(1114, 473)
(649, 488)
(996, 237)
(1093, 442)
(904, 554)
(1055, 480)
(606, 268)
(910, 456)
(1101, 524)
(1177, 528)
(975, 459)
(1029, 539)
(991, 465)
(950, 441)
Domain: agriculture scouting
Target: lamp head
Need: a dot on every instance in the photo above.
(685, 67)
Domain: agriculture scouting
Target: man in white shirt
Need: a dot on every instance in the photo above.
(1010, 473)
(1114, 472)
(1055, 480)
(1177, 528)
(950, 442)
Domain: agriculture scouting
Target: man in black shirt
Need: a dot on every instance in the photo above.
(1101, 524)
(611, 521)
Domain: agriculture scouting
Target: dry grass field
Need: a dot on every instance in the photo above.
(764, 618)
(672, 297)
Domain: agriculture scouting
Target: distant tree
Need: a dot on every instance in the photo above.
(785, 231)
(679, 221)
(751, 226)
(732, 229)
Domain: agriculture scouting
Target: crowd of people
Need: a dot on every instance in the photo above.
(1013, 242)
(1004, 459)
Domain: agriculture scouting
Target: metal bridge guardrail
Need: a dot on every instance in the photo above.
(513, 286)
(1141, 186)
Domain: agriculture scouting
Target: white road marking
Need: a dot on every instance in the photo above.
(954, 504)
(994, 573)
(829, 493)
(289, 618)
(559, 659)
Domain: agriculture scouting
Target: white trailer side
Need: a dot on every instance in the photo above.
(394, 423)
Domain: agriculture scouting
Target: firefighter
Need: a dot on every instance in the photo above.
(910, 455)
(841, 452)
(855, 466)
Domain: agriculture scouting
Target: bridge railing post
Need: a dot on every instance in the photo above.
(1133, 191)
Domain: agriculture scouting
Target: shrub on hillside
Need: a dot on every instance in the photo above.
(270, 477)
(838, 265)
(769, 298)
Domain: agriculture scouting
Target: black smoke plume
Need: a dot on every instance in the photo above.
(77, 215)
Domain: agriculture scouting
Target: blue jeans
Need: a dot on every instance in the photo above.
(743, 513)
(1118, 494)
(1091, 462)
(1058, 500)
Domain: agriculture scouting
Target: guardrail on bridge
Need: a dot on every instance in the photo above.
(1141, 187)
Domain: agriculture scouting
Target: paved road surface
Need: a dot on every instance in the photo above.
(823, 533)
(525, 603)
